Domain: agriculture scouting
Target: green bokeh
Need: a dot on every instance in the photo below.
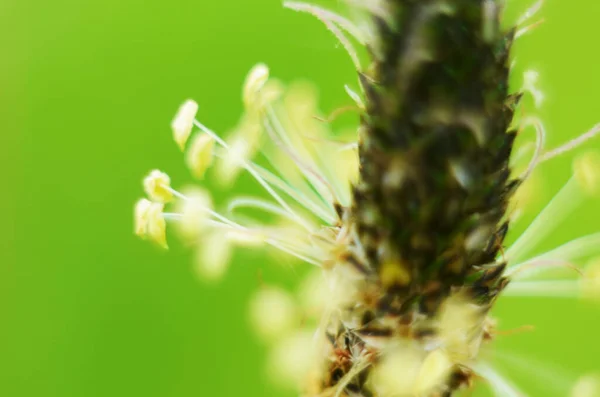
(88, 89)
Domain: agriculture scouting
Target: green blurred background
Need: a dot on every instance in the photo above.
(87, 92)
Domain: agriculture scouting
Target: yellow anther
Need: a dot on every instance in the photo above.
(200, 154)
(141, 217)
(157, 186)
(183, 122)
(272, 313)
(150, 223)
(587, 172)
(256, 79)
(156, 227)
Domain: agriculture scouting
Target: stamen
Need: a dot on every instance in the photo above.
(375, 7)
(248, 167)
(573, 144)
(250, 202)
(277, 134)
(172, 216)
(328, 18)
(207, 209)
(337, 113)
(547, 289)
(241, 234)
(540, 141)
(563, 203)
(200, 155)
(555, 379)
(324, 213)
(344, 144)
(530, 85)
(177, 217)
(500, 386)
(141, 217)
(247, 237)
(291, 180)
(521, 152)
(183, 122)
(156, 186)
(517, 271)
(355, 97)
(255, 81)
(530, 12)
(342, 170)
(194, 214)
(281, 247)
(526, 29)
(585, 182)
(573, 250)
(156, 226)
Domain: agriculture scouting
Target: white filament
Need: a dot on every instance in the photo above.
(248, 167)
(545, 289)
(561, 205)
(500, 386)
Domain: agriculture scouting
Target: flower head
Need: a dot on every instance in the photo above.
(404, 221)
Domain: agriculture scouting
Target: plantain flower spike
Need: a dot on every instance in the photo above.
(404, 218)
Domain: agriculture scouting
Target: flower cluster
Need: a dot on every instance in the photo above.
(345, 333)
